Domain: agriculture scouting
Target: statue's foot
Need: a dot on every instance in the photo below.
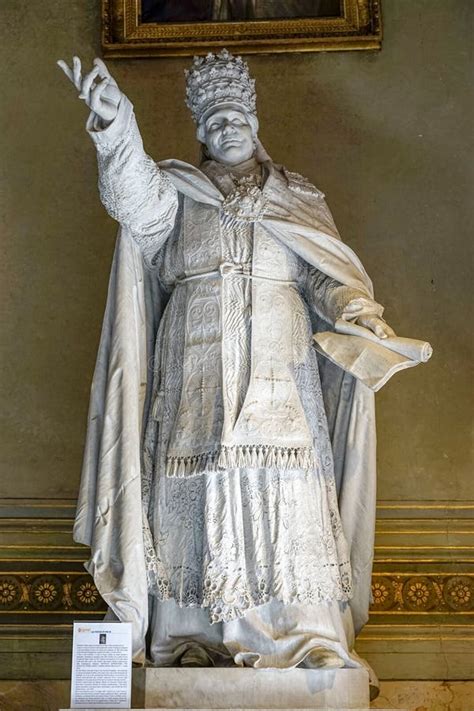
(196, 656)
(322, 658)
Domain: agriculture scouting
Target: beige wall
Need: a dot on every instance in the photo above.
(385, 135)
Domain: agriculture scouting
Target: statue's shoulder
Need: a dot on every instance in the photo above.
(299, 184)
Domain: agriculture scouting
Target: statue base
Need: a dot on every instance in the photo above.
(243, 688)
(235, 688)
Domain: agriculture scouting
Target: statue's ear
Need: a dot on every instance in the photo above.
(253, 121)
(201, 133)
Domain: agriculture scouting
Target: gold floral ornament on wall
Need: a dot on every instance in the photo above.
(383, 594)
(63, 592)
(395, 593)
(85, 594)
(146, 28)
(10, 592)
(46, 592)
(459, 593)
(419, 594)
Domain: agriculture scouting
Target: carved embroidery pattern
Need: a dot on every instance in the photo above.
(204, 557)
(198, 426)
(127, 179)
(195, 553)
(246, 203)
(299, 184)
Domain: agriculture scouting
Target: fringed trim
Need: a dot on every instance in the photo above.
(255, 456)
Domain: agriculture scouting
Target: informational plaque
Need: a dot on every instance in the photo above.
(101, 665)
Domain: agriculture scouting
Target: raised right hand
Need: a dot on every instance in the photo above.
(102, 97)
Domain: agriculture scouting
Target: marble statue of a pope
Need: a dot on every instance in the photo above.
(228, 489)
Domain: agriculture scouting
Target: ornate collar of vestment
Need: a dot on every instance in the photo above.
(242, 187)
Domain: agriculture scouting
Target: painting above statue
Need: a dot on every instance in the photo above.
(145, 28)
(236, 10)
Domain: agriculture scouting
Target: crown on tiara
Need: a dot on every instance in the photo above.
(219, 79)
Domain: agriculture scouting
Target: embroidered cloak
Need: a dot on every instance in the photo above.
(293, 220)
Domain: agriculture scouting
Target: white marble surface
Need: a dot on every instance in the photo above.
(251, 688)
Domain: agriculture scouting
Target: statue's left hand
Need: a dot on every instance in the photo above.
(363, 311)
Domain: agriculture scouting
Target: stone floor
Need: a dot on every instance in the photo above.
(426, 695)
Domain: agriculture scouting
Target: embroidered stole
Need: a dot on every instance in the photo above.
(271, 428)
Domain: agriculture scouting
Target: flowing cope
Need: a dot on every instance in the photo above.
(292, 220)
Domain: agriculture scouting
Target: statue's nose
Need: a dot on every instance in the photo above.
(228, 127)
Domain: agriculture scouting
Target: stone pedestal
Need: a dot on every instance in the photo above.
(236, 688)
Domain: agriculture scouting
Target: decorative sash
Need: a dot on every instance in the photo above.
(195, 438)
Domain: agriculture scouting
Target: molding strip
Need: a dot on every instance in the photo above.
(386, 509)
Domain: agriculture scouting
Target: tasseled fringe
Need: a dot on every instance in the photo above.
(255, 456)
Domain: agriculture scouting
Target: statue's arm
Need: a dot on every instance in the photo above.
(133, 190)
(329, 298)
(332, 300)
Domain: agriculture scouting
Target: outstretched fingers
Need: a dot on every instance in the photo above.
(73, 73)
(77, 72)
(88, 89)
(66, 69)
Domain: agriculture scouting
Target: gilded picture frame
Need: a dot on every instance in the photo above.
(358, 26)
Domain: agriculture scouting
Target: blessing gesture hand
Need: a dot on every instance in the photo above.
(98, 88)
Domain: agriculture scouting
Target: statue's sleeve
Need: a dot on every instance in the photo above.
(133, 189)
(325, 295)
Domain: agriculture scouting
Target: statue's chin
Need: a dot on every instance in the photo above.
(232, 156)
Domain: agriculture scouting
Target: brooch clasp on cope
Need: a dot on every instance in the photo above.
(246, 203)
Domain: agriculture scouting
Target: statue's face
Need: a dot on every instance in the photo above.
(228, 135)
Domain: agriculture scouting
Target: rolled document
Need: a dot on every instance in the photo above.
(420, 351)
(372, 360)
